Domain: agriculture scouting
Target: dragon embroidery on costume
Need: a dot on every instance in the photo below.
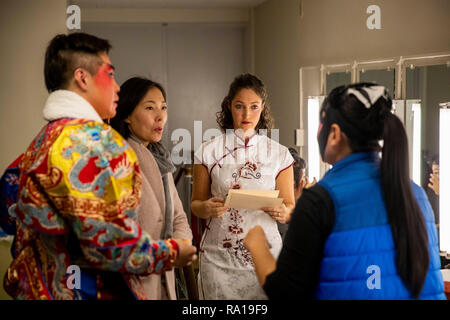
(100, 157)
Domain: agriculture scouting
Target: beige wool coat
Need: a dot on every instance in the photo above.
(151, 217)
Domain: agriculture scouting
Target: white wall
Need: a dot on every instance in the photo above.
(203, 60)
(164, 15)
(136, 48)
(276, 32)
(195, 62)
(26, 27)
(335, 31)
(290, 34)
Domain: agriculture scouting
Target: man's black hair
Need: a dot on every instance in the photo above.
(66, 53)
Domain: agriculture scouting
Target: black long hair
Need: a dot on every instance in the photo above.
(131, 93)
(366, 126)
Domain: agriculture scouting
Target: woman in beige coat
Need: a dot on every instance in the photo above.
(141, 116)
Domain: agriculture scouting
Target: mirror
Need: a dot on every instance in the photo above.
(444, 172)
(431, 86)
(315, 165)
(336, 79)
(384, 77)
(398, 108)
(413, 126)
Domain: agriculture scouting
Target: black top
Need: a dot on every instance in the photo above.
(298, 265)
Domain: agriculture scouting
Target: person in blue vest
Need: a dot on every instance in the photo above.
(365, 230)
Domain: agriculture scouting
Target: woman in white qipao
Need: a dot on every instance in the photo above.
(241, 158)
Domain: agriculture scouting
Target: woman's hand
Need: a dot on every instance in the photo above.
(255, 238)
(202, 205)
(281, 213)
(256, 243)
(310, 184)
(187, 253)
(214, 207)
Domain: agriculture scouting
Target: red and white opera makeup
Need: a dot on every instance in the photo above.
(104, 93)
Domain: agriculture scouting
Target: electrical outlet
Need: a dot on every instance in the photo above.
(299, 135)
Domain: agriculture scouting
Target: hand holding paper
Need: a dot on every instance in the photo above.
(214, 207)
(281, 213)
(252, 199)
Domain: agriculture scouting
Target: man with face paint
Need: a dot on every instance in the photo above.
(365, 230)
(77, 235)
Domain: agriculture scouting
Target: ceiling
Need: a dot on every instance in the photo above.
(187, 4)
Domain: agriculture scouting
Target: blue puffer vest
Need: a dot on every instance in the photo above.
(359, 255)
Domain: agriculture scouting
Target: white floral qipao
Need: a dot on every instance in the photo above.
(226, 266)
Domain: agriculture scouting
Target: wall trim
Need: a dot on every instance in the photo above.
(147, 15)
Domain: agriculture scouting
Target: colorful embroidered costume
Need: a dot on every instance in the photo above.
(78, 192)
(226, 266)
(9, 183)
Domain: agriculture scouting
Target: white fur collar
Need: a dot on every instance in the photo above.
(68, 104)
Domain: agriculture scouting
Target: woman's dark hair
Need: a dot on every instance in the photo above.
(298, 166)
(245, 81)
(65, 53)
(131, 93)
(369, 125)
